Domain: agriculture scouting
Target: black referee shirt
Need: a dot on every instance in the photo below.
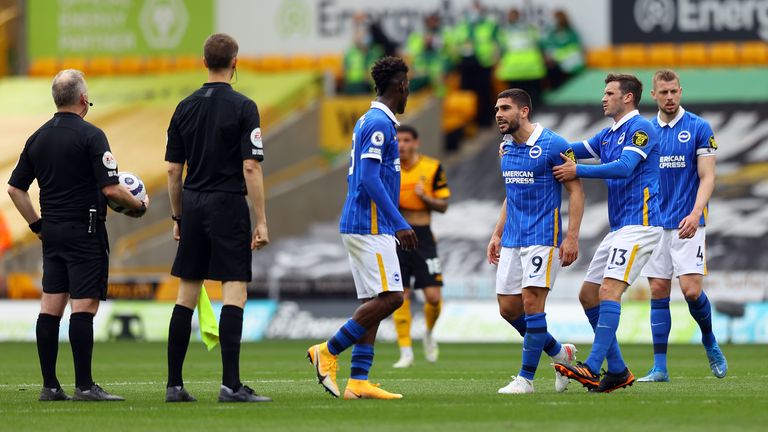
(71, 160)
(214, 130)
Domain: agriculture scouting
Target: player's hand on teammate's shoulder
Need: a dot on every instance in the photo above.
(260, 236)
(407, 238)
(493, 250)
(569, 251)
(565, 171)
(688, 226)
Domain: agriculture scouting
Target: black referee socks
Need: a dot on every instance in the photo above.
(47, 332)
(230, 332)
(178, 341)
(81, 339)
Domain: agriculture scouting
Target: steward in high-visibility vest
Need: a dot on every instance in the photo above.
(522, 59)
(429, 60)
(563, 49)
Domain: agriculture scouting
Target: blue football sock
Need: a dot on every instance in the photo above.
(551, 346)
(345, 337)
(701, 311)
(605, 337)
(661, 324)
(615, 360)
(519, 325)
(533, 343)
(362, 360)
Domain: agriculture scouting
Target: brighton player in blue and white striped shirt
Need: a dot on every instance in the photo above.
(527, 243)
(687, 167)
(370, 223)
(629, 156)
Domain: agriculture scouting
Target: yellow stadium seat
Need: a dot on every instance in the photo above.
(22, 286)
(46, 67)
(601, 58)
(753, 53)
(459, 109)
(187, 63)
(693, 54)
(248, 63)
(273, 63)
(631, 55)
(100, 66)
(723, 54)
(663, 55)
(74, 63)
(130, 65)
(333, 63)
(302, 62)
(159, 64)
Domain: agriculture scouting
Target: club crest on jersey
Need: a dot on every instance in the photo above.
(256, 138)
(396, 277)
(684, 136)
(535, 152)
(109, 161)
(377, 138)
(712, 142)
(640, 139)
(570, 154)
(621, 138)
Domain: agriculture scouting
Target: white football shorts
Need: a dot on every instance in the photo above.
(530, 266)
(675, 256)
(375, 267)
(623, 253)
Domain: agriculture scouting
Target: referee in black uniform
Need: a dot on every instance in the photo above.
(76, 171)
(216, 132)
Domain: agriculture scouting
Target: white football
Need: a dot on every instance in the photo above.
(134, 185)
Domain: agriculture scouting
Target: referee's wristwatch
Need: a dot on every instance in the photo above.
(176, 219)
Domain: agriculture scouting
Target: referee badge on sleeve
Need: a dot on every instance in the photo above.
(640, 139)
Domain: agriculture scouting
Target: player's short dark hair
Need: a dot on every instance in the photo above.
(519, 97)
(219, 51)
(386, 72)
(627, 84)
(666, 75)
(404, 128)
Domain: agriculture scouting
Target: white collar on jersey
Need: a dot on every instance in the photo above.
(531, 139)
(674, 121)
(624, 119)
(381, 106)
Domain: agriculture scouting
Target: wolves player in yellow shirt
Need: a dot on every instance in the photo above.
(423, 188)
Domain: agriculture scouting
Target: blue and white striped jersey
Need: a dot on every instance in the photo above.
(533, 193)
(374, 137)
(633, 200)
(681, 142)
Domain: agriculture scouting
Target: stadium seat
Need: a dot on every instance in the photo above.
(74, 63)
(631, 55)
(601, 58)
(333, 63)
(100, 66)
(693, 54)
(273, 63)
(458, 109)
(302, 62)
(159, 64)
(22, 286)
(248, 63)
(45, 67)
(187, 63)
(723, 54)
(130, 65)
(753, 53)
(663, 55)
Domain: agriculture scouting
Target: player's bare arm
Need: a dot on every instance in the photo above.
(174, 192)
(569, 249)
(494, 246)
(434, 204)
(706, 169)
(254, 183)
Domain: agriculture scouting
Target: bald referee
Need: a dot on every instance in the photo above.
(215, 131)
(75, 169)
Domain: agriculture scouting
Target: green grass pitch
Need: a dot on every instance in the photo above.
(458, 393)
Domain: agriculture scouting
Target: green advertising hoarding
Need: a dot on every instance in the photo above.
(114, 28)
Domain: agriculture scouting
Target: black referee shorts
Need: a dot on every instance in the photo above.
(215, 238)
(422, 263)
(75, 261)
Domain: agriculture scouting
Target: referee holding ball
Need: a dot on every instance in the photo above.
(216, 132)
(76, 171)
